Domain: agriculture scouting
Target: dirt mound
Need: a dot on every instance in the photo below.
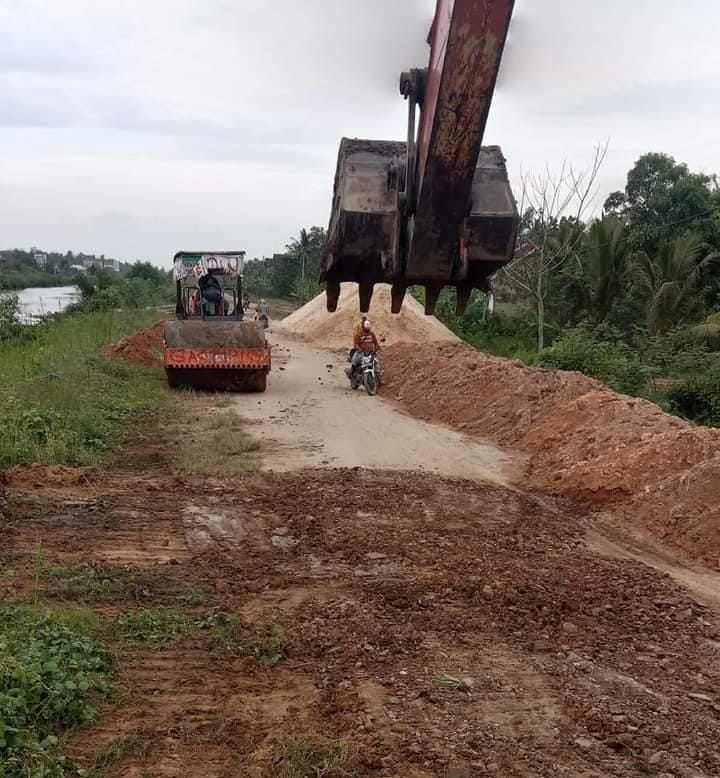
(582, 439)
(334, 330)
(38, 474)
(142, 348)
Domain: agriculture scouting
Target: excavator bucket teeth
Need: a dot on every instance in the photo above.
(212, 355)
(432, 294)
(462, 299)
(397, 296)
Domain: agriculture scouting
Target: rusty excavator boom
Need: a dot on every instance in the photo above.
(437, 209)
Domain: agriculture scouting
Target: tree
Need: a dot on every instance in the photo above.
(306, 250)
(668, 282)
(602, 265)
(664, 200)
(552, 208)
(148, 272)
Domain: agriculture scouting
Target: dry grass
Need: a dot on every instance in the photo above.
(212, 441)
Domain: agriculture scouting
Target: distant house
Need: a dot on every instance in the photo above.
(40, 258)
(79, 268)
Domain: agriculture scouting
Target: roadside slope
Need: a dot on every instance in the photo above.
(583, 440)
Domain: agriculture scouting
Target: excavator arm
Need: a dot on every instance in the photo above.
(437, 209)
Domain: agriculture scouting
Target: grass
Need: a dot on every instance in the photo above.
(52, 675)
(153, 625)
(158, 626)
(311, 757)
(62, 403)
(94, 582)
(136, 744)
(227, 449)
(265, 642)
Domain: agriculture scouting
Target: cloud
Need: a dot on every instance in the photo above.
(133, 128)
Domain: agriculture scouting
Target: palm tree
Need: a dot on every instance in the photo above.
(300, 248)
(668, 282)
(603, 264)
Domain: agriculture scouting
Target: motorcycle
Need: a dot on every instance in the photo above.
(367, 374)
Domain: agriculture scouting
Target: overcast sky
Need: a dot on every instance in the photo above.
(141, 127)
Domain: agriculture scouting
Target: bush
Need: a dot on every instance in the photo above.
(614, 365)
(698, 399)
(9, 316)
(50, 678)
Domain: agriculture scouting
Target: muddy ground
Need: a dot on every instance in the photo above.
(431, 625)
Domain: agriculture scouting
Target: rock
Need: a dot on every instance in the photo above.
(656, 758)
(570, 628)
(283, 543)
(585, 743)
(281, 531)
(488, 590)
(373, 555)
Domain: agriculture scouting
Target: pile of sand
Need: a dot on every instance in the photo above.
(142, 348)
(335, 330)
(582, 439)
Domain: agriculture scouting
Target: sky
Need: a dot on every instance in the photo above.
(138, 128)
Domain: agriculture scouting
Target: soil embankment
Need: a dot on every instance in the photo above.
(582, 439)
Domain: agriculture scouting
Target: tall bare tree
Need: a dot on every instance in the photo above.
(552, 208)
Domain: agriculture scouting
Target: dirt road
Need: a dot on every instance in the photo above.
(311, 418)
(393, 622)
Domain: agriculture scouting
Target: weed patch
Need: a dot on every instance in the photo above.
(265, 642)
(52, 675)
(95, 582)
(310, 757)
(154, 625)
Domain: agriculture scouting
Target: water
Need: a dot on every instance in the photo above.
(36, 302)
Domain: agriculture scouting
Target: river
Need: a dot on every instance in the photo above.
(36, 302)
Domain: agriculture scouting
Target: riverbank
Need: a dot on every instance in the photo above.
(61, 401)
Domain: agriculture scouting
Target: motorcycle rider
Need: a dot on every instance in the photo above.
(365, 342)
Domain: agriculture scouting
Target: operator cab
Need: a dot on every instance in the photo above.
(208, 286)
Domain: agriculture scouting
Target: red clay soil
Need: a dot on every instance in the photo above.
(583, 440)
(36, 474)
(142, 348)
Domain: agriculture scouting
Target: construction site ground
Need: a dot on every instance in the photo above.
(378, 595)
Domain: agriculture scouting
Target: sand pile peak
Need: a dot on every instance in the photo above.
(335, 330)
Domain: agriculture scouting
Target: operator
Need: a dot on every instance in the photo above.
(365, 342)
(262, 308)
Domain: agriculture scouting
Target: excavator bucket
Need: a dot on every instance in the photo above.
(436, 210)
(212, 355)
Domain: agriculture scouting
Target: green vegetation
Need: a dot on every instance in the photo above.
(60, 401)
(630, 298)
(94, 582)
(157, 626)
(18, 269)
(265, 642)
(310, 757)
(52, 675)
(293, 273)
(143, 286)
(154, 625)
